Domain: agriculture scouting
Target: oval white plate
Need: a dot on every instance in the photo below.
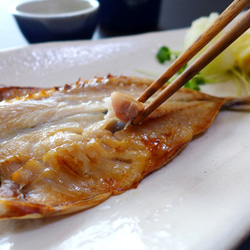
(198, 201)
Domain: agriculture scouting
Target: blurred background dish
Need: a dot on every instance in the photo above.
(119, 17)
(56, 20)
(129, 16)
(180, 13)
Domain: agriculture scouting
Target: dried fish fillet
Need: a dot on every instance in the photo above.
(58, 154)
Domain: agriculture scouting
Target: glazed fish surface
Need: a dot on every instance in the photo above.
(61, 149)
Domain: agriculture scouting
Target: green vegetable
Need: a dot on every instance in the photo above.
(163, 54)
(195, 82)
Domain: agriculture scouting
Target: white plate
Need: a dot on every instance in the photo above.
(199, 201)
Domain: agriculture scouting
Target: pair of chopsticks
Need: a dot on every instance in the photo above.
(237, 29)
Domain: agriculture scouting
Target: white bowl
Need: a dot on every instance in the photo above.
(56, 20)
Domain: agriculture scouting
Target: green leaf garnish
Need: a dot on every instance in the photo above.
(163, 54)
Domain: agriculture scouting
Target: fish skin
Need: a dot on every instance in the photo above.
(7, 93)
(58, 157)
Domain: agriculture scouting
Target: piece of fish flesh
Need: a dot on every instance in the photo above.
(62, 150)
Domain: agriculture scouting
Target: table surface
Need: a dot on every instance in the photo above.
(11, 38)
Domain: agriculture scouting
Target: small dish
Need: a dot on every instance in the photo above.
(56, 20)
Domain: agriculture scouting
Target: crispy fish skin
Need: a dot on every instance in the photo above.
(7, 93)
(57, 155)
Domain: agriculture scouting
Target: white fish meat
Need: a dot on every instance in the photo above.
(61, 151)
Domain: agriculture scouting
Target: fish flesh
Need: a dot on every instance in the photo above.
(62, 150)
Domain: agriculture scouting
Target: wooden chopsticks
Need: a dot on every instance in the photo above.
(214, 50)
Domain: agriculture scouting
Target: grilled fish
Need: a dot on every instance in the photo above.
(61, 149)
